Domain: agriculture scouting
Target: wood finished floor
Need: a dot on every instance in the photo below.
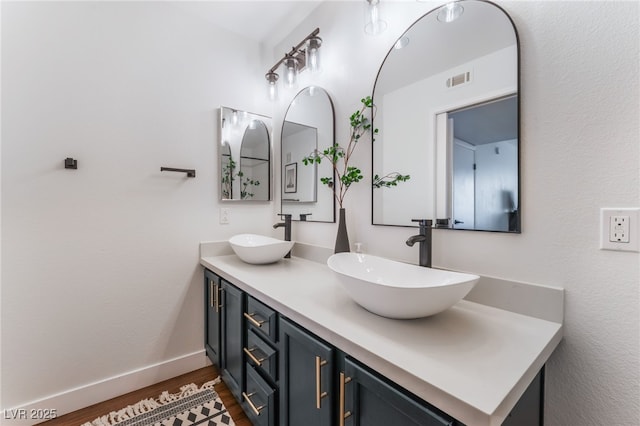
(198, 377)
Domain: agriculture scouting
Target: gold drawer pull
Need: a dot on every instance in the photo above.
(219, 304)
(319, 393)
(342, 414)
(255, 409)
(252, 320)
(250, 354)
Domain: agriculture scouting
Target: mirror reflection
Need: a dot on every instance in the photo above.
(245, 156)
(447, 114)
(308, 125)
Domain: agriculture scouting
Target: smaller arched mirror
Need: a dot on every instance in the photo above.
(308, 125)
(245, 156)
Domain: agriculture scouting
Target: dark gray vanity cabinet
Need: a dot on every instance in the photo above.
(307, 371)
(365, 399)
(283, 374)
(232, 338)
(212, 309)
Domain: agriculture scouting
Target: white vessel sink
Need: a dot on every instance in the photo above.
(259, 249)
(399, 290)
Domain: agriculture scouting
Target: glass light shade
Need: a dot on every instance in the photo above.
(402, 42)
(374, 23)
(312, 53)
(450, 12)
(272, 86)
(291, 71)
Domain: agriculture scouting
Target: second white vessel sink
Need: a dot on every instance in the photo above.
(399, 290)
(259, 249)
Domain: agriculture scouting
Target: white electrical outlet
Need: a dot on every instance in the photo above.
(619, 229)
(224, 216)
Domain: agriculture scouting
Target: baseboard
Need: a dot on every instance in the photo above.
(93, 393)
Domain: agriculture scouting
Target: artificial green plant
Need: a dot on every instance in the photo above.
(339, 156)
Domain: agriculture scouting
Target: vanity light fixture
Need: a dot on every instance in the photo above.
(450, 12)
(304, 55)
(374, 25)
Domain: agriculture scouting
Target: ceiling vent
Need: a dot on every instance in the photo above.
(459, 79)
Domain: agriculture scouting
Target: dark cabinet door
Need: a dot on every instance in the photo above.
(307, 370)
(366, 400)
(529, 409)
(212, 316)
(232, 338)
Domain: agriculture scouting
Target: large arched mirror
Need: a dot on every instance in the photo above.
(308, 125)
(245, 156)
(448, 116)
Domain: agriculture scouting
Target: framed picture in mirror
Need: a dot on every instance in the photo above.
(291, 178)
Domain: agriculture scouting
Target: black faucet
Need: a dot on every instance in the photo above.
(287, 229)
(424, 238)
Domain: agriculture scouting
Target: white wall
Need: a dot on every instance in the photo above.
(100, 266)
(579, 140)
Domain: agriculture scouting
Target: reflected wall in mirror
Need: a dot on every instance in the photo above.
(245, 156)
(308, 125)
(448, 115)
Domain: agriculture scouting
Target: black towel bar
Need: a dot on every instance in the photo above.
(189, 172)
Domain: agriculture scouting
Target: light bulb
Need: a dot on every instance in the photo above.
(291, 71)
(272, 87)
(313, 54)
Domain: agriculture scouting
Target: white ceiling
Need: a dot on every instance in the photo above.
(265, 21)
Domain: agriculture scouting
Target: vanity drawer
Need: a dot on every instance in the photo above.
(259, 399)
(261, 317)
(261, 355)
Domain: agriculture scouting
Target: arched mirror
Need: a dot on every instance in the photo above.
(308, 125)
(448, 115)
(245, 156)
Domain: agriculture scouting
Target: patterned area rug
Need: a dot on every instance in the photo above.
(191, 406)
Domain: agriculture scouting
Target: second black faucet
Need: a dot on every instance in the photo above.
(287, 228)
(424, 238)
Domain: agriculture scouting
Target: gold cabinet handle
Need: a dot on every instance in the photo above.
(211, 295)
(252, 320)
(255, 409)
(219, 304)
(319, 393)
(343, 380)
(257, 361)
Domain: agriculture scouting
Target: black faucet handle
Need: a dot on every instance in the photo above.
(423, 222)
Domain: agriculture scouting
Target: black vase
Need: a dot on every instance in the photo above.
(342, 238)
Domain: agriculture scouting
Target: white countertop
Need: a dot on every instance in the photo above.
(472, 361)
